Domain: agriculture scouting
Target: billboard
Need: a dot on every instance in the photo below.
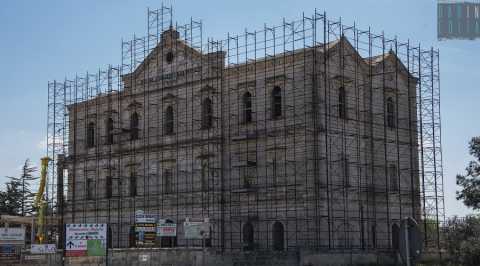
(43, 249)
(167, 230)
(12, 235)
(196, 230)
(85, 240)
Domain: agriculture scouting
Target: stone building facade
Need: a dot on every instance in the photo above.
(310, 149)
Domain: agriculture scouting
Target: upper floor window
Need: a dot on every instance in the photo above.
(109, 130)
(91, 135)
(390, 113)
(276, 102)
(108, 187)
(133, 184)
(342, 103)
(204, 172)
(247, 107)
(134, 126)
(90, 188)
(393, 177)
(346, 171)
(207, 113)
(168, 180)
(169, 121)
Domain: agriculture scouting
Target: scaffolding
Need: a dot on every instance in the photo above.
(347, 146)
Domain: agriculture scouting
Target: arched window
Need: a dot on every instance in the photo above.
(393, 177)
(395, 237)
(91, 135)
(168, 180)
(133, 184)
(390, 113)
(278, 236)
(342, 103)
(109, 237)
(109, 131)
(276, 102)
(248, 240)
(169, 121)
(131, 237)
(134, 126)
(247, 107)
(90, 188)
(108, 187)
(207, 113)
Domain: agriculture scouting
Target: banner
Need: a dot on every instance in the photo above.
(12, 235)
(85, 240)
(196, 230)
(43, 249)
(166, 229)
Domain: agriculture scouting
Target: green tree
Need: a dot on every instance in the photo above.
(462, 237)
(11, 197)
(470, 182)
(27, 195)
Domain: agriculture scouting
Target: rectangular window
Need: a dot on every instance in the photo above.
(90, 188)
(108, 187)
(346, 171)
(459, 11)
(449, 11)
(133, 184)
(204, 169)
(477, 12)
(393, 177)
(168, 180)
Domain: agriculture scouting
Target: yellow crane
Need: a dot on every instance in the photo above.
(40, 202)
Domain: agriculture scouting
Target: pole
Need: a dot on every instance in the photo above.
(407, 244)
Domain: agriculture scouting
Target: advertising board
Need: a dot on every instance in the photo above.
(85, 240)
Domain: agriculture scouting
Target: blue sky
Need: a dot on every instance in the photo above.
(47, 40)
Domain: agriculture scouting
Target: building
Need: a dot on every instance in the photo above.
(306, 136)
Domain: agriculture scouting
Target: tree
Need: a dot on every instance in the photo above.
(28, 196)
(470, 182)
(11, 198)
(462, 237)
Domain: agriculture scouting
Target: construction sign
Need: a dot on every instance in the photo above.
(85, 240)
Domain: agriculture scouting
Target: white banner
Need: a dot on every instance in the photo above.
(167, 229)
(43, 249)
(13, 235)
(196, 230)
(77, 236)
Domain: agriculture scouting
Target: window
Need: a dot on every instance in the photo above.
(395, 237)
(91, 135)
(276, 102)
(109, 131)
(109, 237)
(393, 177)
(346, 171)
(207, 114)
(133, 184)
(373, 232)
(108, 187)
(134, 126)
(459, 11)
(204, 174)
(278, 236)
(247, 107)
(450, 26)
(342, 103)
(169, 121)
(131, 237)
(248, 240)
(90, 188)
(169, 57)
(168, 180)
(477, 13)
(390, 113)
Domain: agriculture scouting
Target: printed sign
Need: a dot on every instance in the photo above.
(167, 229)
(196, 230)
(12, 235)
(9, 252)
(85, 240)
(145, 233)
(141, 217)
(43, 249)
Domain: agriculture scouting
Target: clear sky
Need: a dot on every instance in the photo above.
(47, 40)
